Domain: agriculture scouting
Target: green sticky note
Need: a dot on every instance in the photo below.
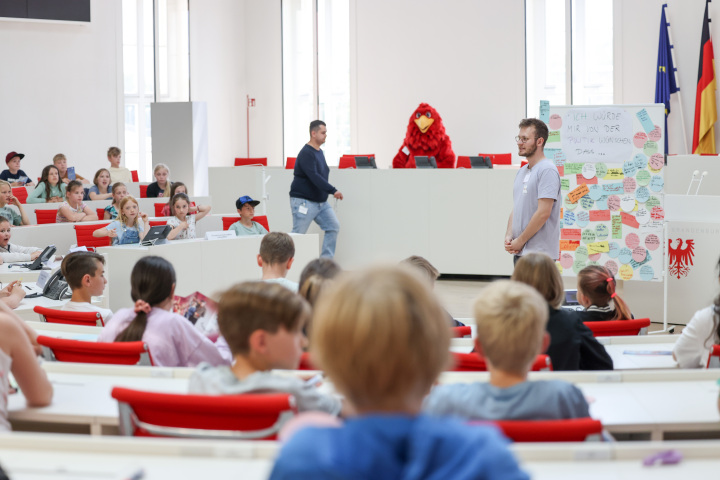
(616, 227)
(564, 184)
(554, 137)
(573, 168)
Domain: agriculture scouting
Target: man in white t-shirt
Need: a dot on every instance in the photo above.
(85, 274)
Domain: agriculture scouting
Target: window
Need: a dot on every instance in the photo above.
(316, 73)
(155, 68)
(569, 52)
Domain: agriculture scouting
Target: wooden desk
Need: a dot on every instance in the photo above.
(205, 266)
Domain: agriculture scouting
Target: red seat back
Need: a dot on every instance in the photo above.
(84, 235)
(88, 319)
(249, 416)
(714, 357)
(156, 223)
(305, 363)
(498, 158)
(116, 353)
(250, 162)
(463, 162)
(261, 219)
(458, 332)
(44, 215)
(472, 362)
(290, 163)
(134, 175)
(20, 193)
(143, 191)
(159, 208)
(615, 328)
(347, 161)
(570, 430)
(100, 213)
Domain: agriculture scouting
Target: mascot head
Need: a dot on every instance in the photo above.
(425, 129)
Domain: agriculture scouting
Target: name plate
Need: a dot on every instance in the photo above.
(220, 235)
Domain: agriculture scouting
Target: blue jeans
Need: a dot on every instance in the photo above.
(324, 216)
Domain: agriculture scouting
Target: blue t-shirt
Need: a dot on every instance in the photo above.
(311, 176)
(20, 176)
(398, 447)
(94, 189)
(538, 400)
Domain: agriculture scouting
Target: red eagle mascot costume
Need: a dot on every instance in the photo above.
(425, 137)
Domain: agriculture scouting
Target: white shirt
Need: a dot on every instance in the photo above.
(16, 253)
(692, 349)
(88, 307)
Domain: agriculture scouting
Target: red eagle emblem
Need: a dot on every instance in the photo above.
(680, 259)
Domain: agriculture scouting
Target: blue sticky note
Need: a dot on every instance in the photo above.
(625, 255)
(545, 111)
(645, 121)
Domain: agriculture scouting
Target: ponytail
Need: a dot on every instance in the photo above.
(135, 330)
(598, 284)
(622, 312)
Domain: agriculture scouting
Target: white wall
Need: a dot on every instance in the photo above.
(59, 89)
(638, 33)
(465, 58)
(217, 74)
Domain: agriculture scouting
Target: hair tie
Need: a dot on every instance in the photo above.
(142, 306)
(609, 279)
(613, 295)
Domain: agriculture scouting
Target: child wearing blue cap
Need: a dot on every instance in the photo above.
(245, 226)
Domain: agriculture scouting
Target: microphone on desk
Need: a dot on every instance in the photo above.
(700, 182)
(695, 174)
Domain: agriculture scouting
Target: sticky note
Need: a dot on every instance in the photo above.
(554, 137)
(573, 168)
(599, 215)
(614, 174)
(598, 247)
(577, 193)
(615, 187)
(545, 110)
(561, 170)
(629, 220)
(616, 227)
(645, 121)
(569, 245)
(570, 233)
(564, 184)
(588, 181)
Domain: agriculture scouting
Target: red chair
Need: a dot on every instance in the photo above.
(84, 235)
(88, 319)
(458, 332)
(100, 213)
(714, 358)
(463, 162)
(523, 163)
(305, 363)
(239, 417)
(159, 208)
(143, 191)
(115, 353)
(45, 216)
(251, 162)
(261, 219)
(134, 175)
(616, 328)
(157, 223)
(498, 158)
(570, 430)
(290, 163)
(20, 193)
(347, 162)
(472, 362)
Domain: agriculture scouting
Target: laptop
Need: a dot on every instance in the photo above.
(156, 235)
(481, 162)
(425, 162)
(365, 162)
(42, 258)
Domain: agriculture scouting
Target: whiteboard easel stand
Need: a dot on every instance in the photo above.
(665, 279)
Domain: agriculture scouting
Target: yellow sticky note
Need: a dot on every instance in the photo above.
(614, 174)
(598, 247)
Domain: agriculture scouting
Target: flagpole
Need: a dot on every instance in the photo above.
(677, 83)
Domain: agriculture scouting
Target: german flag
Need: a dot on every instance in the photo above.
(705, 106)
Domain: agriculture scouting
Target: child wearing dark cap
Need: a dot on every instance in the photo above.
(13, 174)
(245, 226)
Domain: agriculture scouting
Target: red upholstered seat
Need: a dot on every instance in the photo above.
(570, 430)
(46, 215)
(88, 319)
(117, 353)
(290, 163)
(461, 331)
(84, 235)
(615, 328)
(20, 193)
(498, 158)
(249, 162)
(472, 362)
(261, 219)
(134, 175)
(143, 191)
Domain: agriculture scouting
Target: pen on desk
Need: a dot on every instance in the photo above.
(137, 475)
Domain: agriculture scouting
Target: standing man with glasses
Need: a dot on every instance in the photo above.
(534, 223)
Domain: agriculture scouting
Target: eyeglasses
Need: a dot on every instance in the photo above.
(524, 139)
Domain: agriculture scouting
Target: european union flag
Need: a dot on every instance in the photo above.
(665, 84)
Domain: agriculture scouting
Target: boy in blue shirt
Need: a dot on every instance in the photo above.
(511, 319)
(380, 335)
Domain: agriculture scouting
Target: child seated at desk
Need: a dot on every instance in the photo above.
(596, 292)
(128, 228)
(183, 222)
(117, 173)
(6, 199)
(73, 209)
(427, 269)
(277, 253)
(18, 350)
(177, 187)
(119, 191)
(10, 253)
(50, 189)
(171, 339)
(101, 189)
(60, 161)
(161, 186)
(245, 206)
(85, 274)
(263, 326)
(383, 355)
(511, 320)
(13, 174)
